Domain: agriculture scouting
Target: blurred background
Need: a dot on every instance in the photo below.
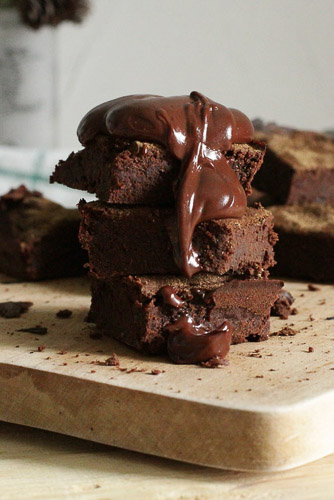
(271, 59)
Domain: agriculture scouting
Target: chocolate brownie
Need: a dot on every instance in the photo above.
(134, 309)
(305, 248)
(140, 240)
(39, 238)
(133, 172)
(298, 167)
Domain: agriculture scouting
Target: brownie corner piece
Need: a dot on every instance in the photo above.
(305, 247)
(132, 308)
(298, 167)
(39, 238)
(135, 172)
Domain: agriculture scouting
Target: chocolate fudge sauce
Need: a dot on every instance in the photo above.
(197, 131)
(170, 297)
(191, 343)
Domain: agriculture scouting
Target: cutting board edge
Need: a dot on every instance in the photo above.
(215, 436)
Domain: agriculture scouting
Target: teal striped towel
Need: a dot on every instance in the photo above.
(33, 168)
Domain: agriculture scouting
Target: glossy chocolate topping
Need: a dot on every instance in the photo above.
(190, 343)
(170, 297)
(197, 131)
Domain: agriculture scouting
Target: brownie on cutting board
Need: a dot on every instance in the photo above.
(132, 308)
(305, 247)
(139, 240)
(39, 238)
(298, 167)
(133, 172)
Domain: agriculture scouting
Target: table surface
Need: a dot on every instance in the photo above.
(38, 464)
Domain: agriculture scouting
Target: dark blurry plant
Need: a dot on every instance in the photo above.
(37, 13)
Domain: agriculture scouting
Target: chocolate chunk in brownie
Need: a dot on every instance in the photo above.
(298, 166)
(38, 238)
(133, 172)
(282, 306)
(134, 309)
(139, 240)
(305, 248)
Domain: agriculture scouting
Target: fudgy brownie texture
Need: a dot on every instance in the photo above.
(131, 308)
(139, 240)
(133, 172)
(39, 238)
(305, 248)
(298, 167)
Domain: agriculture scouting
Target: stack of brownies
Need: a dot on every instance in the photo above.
(298, 179)
(177, 262)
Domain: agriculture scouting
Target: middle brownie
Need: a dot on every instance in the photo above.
(139, 240)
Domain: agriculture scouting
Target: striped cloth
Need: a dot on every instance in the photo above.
(33, 168)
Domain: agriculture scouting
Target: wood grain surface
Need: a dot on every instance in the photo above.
(271, 408)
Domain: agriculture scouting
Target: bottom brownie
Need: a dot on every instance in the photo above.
(137, 311)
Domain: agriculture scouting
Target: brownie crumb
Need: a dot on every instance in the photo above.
(155, 371)
(14, 309)
(136, 370)
(294, 311)
(41, 348)
(254, 355)
(96, 336)
(311, 349)
(285, 332)
(112, 361)
(41, 330)
(282, 306)
(213, 362)
(313, 288)
(64, 314)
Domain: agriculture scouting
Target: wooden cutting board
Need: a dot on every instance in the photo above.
(271, 408)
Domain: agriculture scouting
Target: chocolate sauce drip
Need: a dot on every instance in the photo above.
(170, 297)
(197, 131)
(190, 343)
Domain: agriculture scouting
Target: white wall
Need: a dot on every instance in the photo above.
(270, 58)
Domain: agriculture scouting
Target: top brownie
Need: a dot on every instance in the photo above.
(133, 172)
(298, 167)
